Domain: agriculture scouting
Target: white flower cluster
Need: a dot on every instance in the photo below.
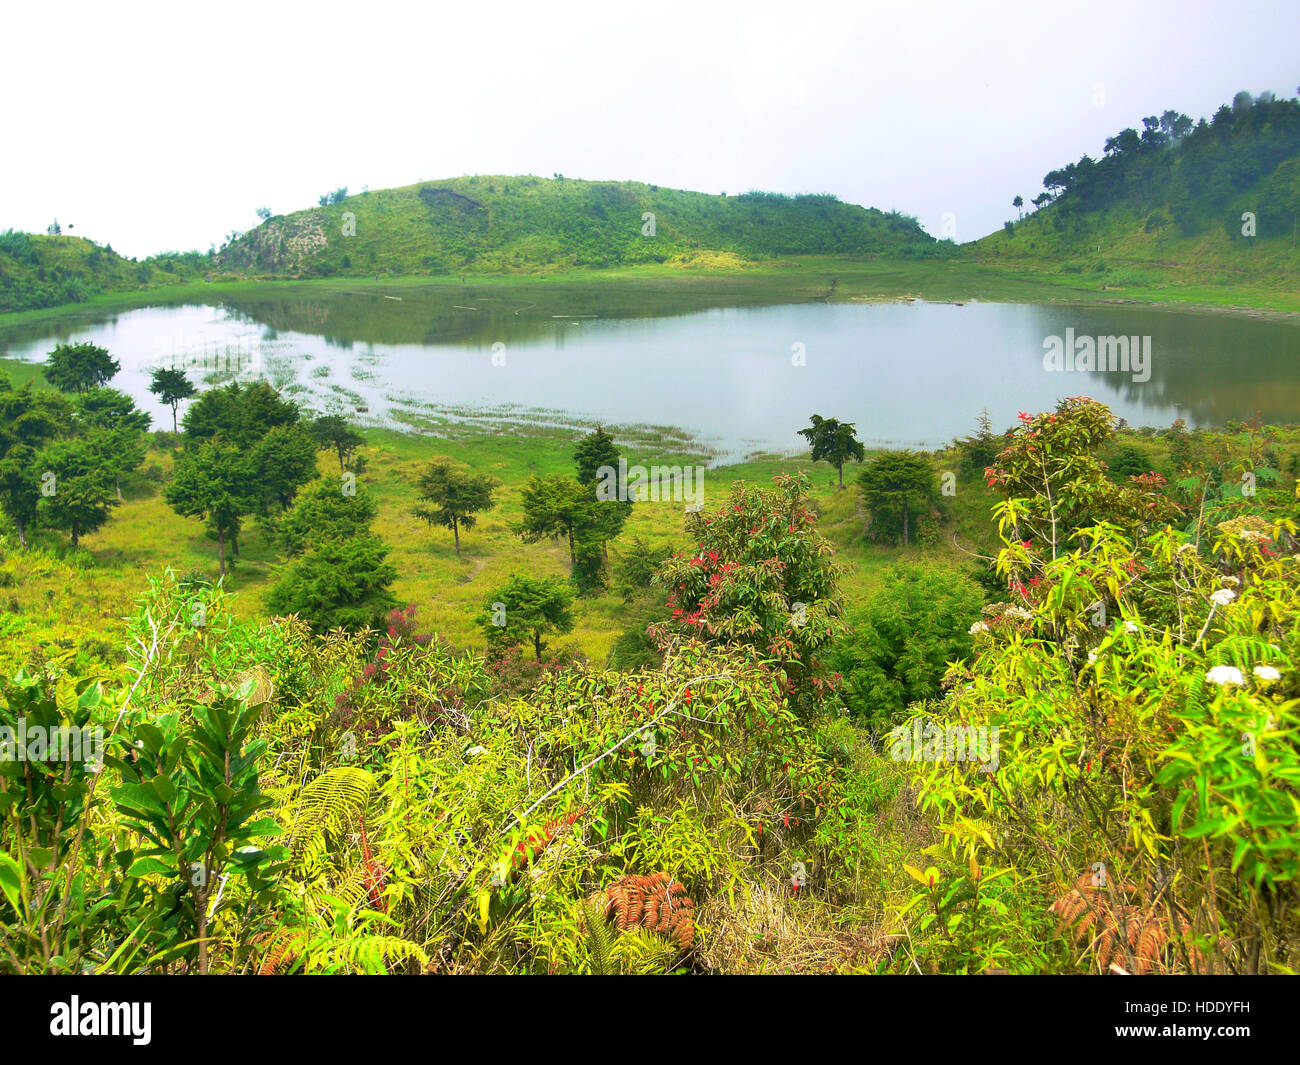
(1231, 675)
(1225, 675)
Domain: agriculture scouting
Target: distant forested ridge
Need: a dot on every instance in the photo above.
(1176, 191)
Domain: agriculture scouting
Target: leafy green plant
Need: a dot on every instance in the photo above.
(898, 646)
(191, 791)
(51, 748)
(1144, 693)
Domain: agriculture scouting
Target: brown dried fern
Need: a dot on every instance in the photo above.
(1116, 928)
(280, 948)
(657, 903)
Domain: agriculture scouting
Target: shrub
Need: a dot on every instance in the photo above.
(761, 577)
(899, 645)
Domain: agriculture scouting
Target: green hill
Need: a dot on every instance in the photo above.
(40, 270)
(495, 224)
(473, 225)
(1173, 202)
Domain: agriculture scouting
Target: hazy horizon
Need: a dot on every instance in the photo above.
(939, 109)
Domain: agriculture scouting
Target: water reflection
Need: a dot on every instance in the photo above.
(908, 374)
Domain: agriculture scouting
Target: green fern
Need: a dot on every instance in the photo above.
(635, 952)
(327, 806)
(351, 886)
(600, 940)
(377, 954)
(346, 949)
(642, 953)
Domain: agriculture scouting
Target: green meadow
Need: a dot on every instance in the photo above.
(73, 597)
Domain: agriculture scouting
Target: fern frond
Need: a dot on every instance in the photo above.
(600, 939)
(656, 902)
(352, 889)
(377, 954)
(644, 954)
(1109, 928)
(283, 946)
(326, 806)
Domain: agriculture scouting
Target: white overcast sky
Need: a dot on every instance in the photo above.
(157, 127)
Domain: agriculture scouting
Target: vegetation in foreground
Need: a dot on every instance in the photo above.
(1082, 758)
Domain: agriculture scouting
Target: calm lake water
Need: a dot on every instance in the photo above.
(736, 378)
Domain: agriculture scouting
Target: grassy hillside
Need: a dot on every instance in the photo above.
(40, 270)
(471, 225)
(1154, 220)
(1176, 204)
(519, 223)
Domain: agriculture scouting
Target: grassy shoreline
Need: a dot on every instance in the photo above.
(802, 279)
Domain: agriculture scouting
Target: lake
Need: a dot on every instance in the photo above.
(735, 378)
